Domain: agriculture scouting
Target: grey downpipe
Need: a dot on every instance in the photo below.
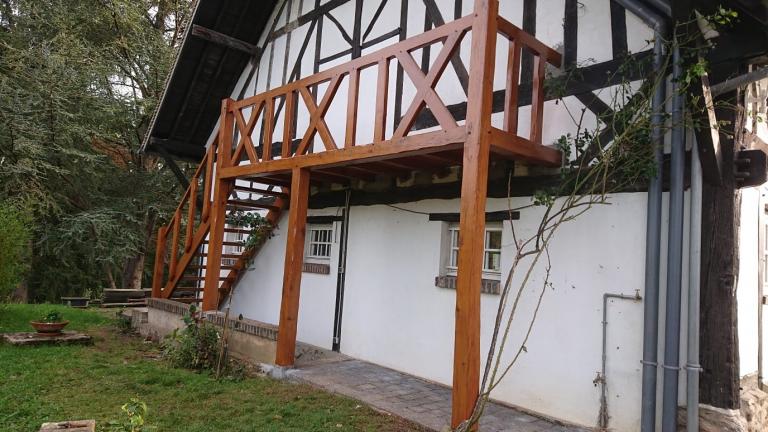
(694, 278)
(652, 255)
(603, 379)
(653, 216)
(341, 276)
(674, 256)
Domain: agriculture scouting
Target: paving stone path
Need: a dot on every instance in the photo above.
(417, 400)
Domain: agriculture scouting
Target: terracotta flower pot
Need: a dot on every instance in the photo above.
(49, 329)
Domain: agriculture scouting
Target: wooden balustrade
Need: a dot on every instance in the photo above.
(187, 230)
(542, 54)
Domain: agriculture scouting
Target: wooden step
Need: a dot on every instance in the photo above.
(202, 267)
(224, 256)
(251, 205)
(229, 243)
(238, 230)
(188, 290)
(197, 278)
(269, 192)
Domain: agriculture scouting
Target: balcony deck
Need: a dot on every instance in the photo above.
(262, 156)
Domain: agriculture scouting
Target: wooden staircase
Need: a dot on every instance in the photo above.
(246, 147)
(183, 243)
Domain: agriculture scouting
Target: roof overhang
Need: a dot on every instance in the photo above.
(217, 45)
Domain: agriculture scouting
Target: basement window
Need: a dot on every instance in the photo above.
(491, 250)
(319, 242)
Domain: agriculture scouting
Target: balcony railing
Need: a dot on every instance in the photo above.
(240, 118)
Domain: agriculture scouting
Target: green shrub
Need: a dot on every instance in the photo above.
(14, 248)
(51, 317)
(123, 323)
(134, 413)
(195, 347)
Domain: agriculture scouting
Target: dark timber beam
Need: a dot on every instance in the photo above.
(171, 164)
(224, 40)
(177, 149)
(719, 338)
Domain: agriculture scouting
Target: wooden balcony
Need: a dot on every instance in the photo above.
(259, 139)
(263, 158)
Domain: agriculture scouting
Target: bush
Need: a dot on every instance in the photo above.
(14, 248)
(195, 347)
(123, 323)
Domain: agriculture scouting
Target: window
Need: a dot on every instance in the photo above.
(491, 249)
(319, 241)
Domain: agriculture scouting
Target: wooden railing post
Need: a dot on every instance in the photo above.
(513, 79)
(294, 258)
(191, 215)
(474, 185)
(208, 180)
(175, 242)
(537, 98)
(221, 190)
(157, 274)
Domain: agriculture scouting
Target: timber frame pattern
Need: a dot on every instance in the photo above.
(288, 168)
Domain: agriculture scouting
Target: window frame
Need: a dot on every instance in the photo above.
(310, 242)
(451, 249)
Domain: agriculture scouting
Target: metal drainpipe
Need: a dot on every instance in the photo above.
(341, 276)
(653, 217)
(674, 256)
(604, 417)
(694, 277)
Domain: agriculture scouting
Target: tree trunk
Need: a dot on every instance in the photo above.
(719, 337)
(110, 278)
(133, 270)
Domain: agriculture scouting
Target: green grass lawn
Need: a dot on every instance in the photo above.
(39, 384)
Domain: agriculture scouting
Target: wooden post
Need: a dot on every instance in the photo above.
(719, 337)
(175, 243)
(474, 185)
(221, 190)
(294, 259)
(191, 215)
(157, 274)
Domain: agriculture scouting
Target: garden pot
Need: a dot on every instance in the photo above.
(49, 329)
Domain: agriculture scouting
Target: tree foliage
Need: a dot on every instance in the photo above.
(78, 84)
(14, 241)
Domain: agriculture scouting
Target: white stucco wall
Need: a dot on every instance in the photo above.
(259, 292)
(396, 317)
(753, 215)
(747, 288)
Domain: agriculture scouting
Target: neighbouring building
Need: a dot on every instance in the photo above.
(371, 134)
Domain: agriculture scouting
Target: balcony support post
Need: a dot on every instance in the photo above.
(474, 186)
(294, 259)
(221, 191)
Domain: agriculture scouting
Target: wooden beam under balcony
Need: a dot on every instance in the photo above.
(407, 146)
(518, 148)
